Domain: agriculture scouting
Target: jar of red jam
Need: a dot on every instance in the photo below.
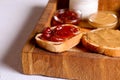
(66, 16)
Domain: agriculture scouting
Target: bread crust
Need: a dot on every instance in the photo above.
(114, 52)
(61, 46)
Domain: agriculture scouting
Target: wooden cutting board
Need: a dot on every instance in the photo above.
(77, 63)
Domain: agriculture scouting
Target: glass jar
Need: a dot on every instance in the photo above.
(103, 19)
(66, 16)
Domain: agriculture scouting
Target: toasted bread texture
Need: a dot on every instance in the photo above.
(105, 41)
(62, 45)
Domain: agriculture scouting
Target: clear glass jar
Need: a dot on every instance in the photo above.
(103, 19)
(66, 16)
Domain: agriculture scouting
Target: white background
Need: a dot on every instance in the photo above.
(17, 20)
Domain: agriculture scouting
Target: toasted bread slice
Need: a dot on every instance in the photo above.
(105, 41)
(62, 45)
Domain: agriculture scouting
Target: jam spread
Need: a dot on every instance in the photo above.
(64, 16)
(59, 33)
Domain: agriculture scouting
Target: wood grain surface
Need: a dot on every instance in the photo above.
(77, 63)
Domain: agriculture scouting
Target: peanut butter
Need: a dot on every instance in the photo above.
(105, 37)
(103, 19)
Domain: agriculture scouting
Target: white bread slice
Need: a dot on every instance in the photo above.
(61, 46)
(105, 41)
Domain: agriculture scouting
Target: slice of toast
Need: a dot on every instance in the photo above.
(105, 41)
(62, 45)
